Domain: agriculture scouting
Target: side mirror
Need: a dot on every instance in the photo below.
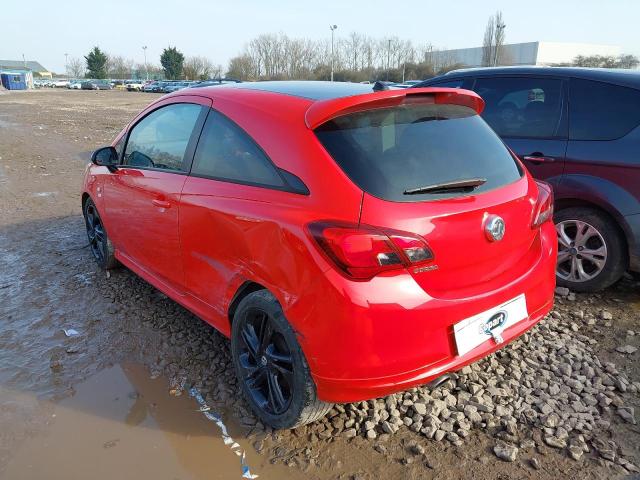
(106, 157)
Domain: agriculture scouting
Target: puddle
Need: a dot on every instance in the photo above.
(122, 424)
(44, 194)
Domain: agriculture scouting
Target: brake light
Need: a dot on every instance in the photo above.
(543, 210)
(362, 252)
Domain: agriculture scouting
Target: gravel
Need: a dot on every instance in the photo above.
(547, 388)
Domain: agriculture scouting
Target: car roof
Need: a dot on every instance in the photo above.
(311, 90)
(624, 77)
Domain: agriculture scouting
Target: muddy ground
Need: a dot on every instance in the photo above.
(109, 402)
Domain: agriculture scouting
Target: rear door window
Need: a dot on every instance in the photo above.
(388, 151)
(601, 111)
(523, 107)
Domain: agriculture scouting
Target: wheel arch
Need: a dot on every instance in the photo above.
(614, 216)
(85, 196)
(242, 291)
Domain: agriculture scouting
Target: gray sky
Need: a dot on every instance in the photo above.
(45, 31)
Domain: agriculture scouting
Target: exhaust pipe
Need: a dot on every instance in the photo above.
(435, 383)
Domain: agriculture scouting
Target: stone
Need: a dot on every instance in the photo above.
(627, 414)
(555, 442)
(575, 452)
(350, 433)
(506, 452)
(626, 349)
(420, 408)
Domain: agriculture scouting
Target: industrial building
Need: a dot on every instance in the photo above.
(530, 53)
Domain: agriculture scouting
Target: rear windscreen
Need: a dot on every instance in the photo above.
(389, 151)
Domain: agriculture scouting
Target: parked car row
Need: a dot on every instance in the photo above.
(51, 83)
(168, 86)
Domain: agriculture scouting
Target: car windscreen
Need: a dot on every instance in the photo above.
(388, 152)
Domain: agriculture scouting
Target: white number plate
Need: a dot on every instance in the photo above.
(475, 330)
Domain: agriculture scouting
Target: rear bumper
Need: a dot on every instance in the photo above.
(352, 390)
(365, 340)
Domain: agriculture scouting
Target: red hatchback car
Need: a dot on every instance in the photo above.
(351, 243)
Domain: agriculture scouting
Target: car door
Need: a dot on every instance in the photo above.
(233, 186)
(142, 197)
(530, 114)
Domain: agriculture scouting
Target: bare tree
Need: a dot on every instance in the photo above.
(628, 61)
(193, 68)
(75, 67)
(606, 61)
(242, 68)
(493, 40)
(117, 67)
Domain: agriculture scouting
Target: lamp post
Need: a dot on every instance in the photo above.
(388, 58)
(499, 29)
(66, 64)
(146, 69)
(333, 28)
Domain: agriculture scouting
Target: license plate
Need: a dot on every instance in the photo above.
(489, 324)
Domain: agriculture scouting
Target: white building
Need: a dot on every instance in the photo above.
(530, 53)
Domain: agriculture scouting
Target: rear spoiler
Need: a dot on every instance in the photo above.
(325, 110)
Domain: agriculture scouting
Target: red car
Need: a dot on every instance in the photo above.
(351, 243)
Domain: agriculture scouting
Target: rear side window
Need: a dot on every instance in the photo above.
(226, 152)
(523, 107)
(601, 111)
(391, 150)
(160, 139)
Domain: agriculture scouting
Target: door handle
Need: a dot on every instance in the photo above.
(161, 203)
(538, 159)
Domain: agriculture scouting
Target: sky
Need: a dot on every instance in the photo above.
(45, 31)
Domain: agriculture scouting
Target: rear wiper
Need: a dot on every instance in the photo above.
(466, 184)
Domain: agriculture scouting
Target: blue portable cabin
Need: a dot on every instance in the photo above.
(14, 81)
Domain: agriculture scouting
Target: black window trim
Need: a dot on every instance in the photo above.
(564, 118)
(191, 144)
(286, 185)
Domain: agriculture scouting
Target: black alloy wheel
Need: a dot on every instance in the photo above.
(270, 365)
(99, 243)
(266, 363)
(95, 232)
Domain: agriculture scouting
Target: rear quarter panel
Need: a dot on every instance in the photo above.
(233, 233)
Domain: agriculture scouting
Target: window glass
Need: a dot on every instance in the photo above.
(523, 107)
(389, 151)
(601, 111)
(160, 139)
(226, 152)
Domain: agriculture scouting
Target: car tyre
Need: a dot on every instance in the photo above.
(99, 242)
(270, 365)
(581, 230)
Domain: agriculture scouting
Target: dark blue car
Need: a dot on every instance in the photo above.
(578, 129)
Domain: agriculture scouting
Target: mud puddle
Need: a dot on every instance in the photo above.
(123, 424)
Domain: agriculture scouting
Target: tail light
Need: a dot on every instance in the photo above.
(543, 210)
(362, 251)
